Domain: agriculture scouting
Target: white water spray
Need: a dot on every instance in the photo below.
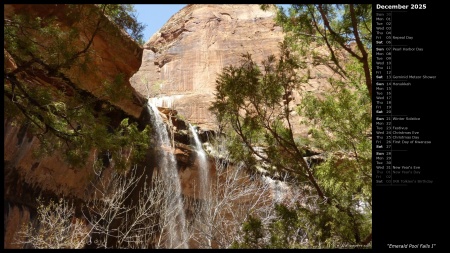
(279, 189)
(177, 233)
(165, 101)
(202, 164)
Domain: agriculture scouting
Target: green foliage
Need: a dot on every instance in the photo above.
(253, 234)
(132, 145)
(284, 232)
(124, 15)
(253, 103)
(343, 29)
(40, 96)
(340, 124)
(117, 89)
(330, 23)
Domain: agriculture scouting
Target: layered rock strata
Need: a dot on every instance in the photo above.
(181, 61)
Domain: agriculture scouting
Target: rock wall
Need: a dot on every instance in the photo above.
(180, 64)
(25, 176)
(181, 61)
(14, 217)
(115, 52)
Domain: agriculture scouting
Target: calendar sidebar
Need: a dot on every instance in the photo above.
(409, 111)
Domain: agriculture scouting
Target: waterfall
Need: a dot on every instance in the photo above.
(278, 188)
(203, 184)
(174, 216)
(202, 164)
(165, 101)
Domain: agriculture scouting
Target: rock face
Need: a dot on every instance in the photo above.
(115, 53)
(52, 173)
(181, 61)
(25, 176)
(179, 67)
(15, 216)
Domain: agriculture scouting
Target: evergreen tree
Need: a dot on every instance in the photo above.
(253, 104)
(124, 15)
(40, 97)
(345, 29)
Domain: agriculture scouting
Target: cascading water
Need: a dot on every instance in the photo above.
(203, 184)
(278, 188)
(177, 233)
(203, 164)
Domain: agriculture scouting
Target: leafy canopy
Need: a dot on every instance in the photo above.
(344, 29)
(254, 106)
(40, 97)
(124, 15)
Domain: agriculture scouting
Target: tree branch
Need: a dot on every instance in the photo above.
(70, 61)
(333, 55)
(367, 239)
(327, 25)
(364, 58)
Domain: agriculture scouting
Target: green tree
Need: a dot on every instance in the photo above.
(285, 231)
(345, 29)
(255, 103)
(124, 15)
(340, 125)
(40, 96)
